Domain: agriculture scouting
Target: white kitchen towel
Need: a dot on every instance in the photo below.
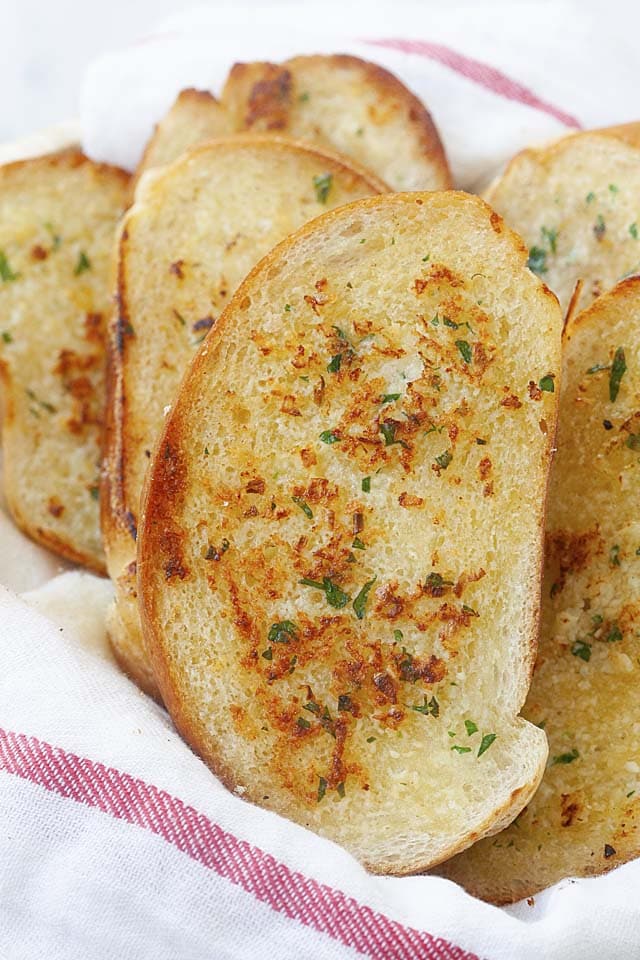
(115, 840)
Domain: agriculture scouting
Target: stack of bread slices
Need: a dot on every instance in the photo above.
(301, 399)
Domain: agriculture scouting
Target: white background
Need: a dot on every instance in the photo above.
(45, 46)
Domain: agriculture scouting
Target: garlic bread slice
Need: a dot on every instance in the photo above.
(196, 230)
(340, 551)
(346, 104)
(576, 203)
(58, 217)
(194, 117)
(585, 817)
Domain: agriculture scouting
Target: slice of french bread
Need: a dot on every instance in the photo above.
(197, 229)
(340, 551)
(347, 104)
(194, 117)
(576, 203)
(585, 817)
(58, 216)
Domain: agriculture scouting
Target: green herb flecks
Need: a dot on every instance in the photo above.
(6, 337)
(444, 459)
(537, 261)
(429, 708)
(633, 230)
(304, 506)
(618, 368)
(389, 397)
(282, 632)
(303, 724)
(597, 367)
(94, 492)
(435, 584)
(614, 635)
(340, 789)
(486, 742)
(304, 97)
(547, 383)
(614, 555)
(335, 363)
(312, 707)
(465, 350)
(360, 602)
(322, 183)
(7, 275)
(565, 757)
(49, 407)
(590, 197)
(470, 727)
(329, 436)
(600, 227)
(582, 649)
(551, 236)
(358, 544)
(366, 484)
(83, 263)
(633, 441)
(388, 430)
(322, 788)
(459, 749)
(336, 597)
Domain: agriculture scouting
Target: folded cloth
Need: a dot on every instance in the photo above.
(116, 841)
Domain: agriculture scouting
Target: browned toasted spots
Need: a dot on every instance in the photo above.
(569, 809)
(177, 269)
(269, 99)
(511, 401)
(38, 252)
(290, 406)
(55, 508)
(409, 500)
(568, 553)
(535, 393)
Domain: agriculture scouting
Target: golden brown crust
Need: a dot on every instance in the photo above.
(267, 97)
(120, 507)
(72, 361)
(165, 553)
(585, 818)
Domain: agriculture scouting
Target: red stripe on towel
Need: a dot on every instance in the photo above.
(286, 891)
(480, 73)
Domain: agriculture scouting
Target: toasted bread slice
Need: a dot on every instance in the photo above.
(199, 226)
(341, 545)
(196, 116)
(576, 204)
(585, 817)
(345, 103)
(58, 216)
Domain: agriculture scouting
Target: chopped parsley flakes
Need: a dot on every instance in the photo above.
(329, 436)
(304, 506)
(565, 757)
(336, 597)
(6, 273)
(618, 368)
(360, 601)
(465, 350)
(582, 649)
(537, 261)
(83, 264)
(282, 632)
(546, 383)
(444, 459)
(322, 183)
(487, 740)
